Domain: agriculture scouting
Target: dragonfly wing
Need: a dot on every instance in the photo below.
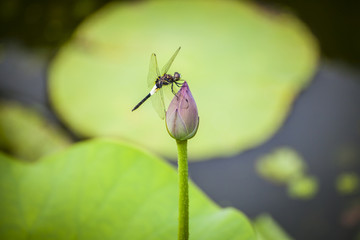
(153, 71)
(167, 66)
(170, 93)
(157, 100)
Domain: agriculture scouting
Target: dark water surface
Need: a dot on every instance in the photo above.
(324, 121)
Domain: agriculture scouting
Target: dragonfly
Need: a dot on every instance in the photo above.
(160, 83)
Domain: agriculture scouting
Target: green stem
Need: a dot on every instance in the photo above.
(183, 231)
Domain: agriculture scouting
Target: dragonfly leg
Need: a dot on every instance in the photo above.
(172, 90)
(179, 84)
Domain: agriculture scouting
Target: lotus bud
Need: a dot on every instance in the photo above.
(182, 119)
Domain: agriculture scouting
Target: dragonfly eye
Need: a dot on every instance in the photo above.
(177, 75)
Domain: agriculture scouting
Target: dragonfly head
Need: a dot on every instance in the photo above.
(177, 76)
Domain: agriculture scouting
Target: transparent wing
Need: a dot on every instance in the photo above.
(170, 93)
(153, 71)
(158, 103)
(168, 64)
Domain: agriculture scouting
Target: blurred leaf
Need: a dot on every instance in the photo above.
(267, 229)
(25, 133)
(347, 183)
(285, 166)
(244, 67)
(105, 190)
(347, 155)
(282, 165)
(303, 187)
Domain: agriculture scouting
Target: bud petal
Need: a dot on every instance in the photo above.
(182, 119)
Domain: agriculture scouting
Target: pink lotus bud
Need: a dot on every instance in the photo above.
(182, 119)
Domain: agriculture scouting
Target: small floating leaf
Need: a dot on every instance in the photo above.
(347, 183)
(282, 165)
(304, 187)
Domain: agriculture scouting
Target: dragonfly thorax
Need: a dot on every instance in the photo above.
(167, 79)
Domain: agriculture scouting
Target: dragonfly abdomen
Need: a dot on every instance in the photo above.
(141, 102)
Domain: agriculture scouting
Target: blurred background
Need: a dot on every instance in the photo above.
(319, 140)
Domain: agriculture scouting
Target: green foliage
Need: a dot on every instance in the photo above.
(303, 187)
(103, 189)
(285, 166)
(25, 133)
(347, 155)
(347, 183)
(267, 229)
(282, 165)
(244, 65)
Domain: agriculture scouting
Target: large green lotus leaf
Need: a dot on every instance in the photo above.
(104, 189)
(25, 133)
(244, 66)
